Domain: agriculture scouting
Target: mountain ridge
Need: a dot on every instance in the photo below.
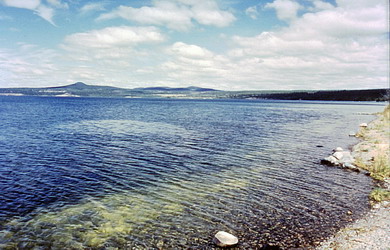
(80, 89)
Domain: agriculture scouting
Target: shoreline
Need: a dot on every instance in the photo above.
(372, 231)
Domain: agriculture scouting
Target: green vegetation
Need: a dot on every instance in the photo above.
(324, 95)
(380, 168)
(386, 114)
(376, 147)
(377, 139)
(380, 194)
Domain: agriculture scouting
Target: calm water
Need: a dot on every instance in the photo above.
(100, 173)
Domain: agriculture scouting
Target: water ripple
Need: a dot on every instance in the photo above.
(150, 173)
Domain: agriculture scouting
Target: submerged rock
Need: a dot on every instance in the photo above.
(224, 239)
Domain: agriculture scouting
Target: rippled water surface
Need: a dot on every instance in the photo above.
(119, 173)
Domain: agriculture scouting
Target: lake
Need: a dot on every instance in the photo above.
(162, 173)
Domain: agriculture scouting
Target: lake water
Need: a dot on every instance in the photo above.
(158, 173)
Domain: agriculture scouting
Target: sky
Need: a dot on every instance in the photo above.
(221, 44)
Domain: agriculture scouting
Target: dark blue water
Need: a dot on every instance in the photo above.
(100, 173)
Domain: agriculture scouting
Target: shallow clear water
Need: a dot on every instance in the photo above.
(101, 173)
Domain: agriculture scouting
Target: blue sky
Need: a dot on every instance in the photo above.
(222, 44)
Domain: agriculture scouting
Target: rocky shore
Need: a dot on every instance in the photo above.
(370, 156)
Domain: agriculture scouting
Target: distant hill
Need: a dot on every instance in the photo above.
(80, 89)
(191, 88)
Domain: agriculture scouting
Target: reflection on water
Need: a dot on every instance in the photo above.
(102, 173)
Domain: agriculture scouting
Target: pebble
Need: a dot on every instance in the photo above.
(224, 239)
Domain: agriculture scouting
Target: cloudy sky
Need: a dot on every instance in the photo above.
(222, 44)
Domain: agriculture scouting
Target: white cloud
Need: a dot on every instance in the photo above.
(330, 49)
(174, 14)
(320, 5)
(58, 4)
(164, 13)
(341, 23)
(111, 37)
(207, 12)
(190, 64)
(190, 51)
(92, 7)
(286, 10)
(359, 4)
(28, 64)
(252, 12)
(46, 11)
(24, 4)
(113, 55)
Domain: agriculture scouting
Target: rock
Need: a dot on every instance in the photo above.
(349, 165)
(338, 149)
(342, 159)
(224, 239)
(352, 134)
(338, 155)
(363, 125)
(330, 160)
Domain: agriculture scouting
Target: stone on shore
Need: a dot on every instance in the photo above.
(224, 239)
(338, 155)
(340, 158)
(363, 125)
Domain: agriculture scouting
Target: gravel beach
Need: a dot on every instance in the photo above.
(373, 230)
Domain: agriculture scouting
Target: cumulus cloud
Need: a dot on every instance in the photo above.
(113, 54)
(340, 23)
(286, 10)
(113, 37)
(321, 5)
(174, 14)
(28, 63)
(193, 65)
(326, 46)
(358, 4)
(337, 47)
(46, 11)
(207, 12)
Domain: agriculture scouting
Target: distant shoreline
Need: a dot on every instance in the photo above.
(83, 90)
